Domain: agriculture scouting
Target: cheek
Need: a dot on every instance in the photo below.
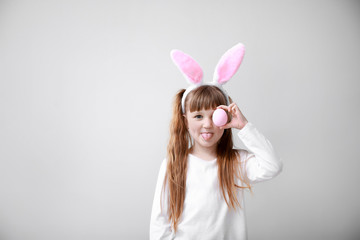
(189, 125)
(220, 132)
(193, 127)
(193, 123)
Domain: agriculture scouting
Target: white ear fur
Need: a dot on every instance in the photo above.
(188, 67)
(228, 64)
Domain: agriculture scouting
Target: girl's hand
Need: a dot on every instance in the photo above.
(238, 120)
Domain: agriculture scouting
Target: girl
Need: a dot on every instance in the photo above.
(199, 191)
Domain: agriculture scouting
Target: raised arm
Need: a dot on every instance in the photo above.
(262, 162)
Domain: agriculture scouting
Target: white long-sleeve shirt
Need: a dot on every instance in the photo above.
(206, 215)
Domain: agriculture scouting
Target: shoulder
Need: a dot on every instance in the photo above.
(163, 163)
(162, 167)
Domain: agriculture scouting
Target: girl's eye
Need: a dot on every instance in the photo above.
(198, 116)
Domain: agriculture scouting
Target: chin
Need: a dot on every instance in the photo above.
(208, 144)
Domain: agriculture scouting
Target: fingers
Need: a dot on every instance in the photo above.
(232, 108)
(223, 107)
(226, 126)
(237, 119)
(233, 112)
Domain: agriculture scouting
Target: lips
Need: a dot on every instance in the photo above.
(206, 135)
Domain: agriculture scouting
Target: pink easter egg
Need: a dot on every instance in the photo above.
(220, 117)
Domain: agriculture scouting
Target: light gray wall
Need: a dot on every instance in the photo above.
(85, 95)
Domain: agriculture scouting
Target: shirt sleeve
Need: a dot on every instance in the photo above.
(261, 161)
(160, 227)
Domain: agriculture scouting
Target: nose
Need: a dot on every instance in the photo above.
(208, 123)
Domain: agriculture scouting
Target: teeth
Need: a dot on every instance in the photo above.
(206, 136)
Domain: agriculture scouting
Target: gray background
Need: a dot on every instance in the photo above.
(85, 96)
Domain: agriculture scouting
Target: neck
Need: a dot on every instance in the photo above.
(204, 153)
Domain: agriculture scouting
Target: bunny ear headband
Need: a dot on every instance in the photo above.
(227, 66)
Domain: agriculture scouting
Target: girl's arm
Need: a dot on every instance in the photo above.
(160, 227)
(262, 163)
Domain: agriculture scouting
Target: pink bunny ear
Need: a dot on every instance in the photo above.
(188, 66)
(229, 63)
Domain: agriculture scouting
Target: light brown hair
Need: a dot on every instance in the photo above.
(228, 159)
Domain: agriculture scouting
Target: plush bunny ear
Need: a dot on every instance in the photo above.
(228, 64)
(188, 66)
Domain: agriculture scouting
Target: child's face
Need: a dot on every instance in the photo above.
(202, 129)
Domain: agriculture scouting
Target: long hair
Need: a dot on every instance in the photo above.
(228, 159)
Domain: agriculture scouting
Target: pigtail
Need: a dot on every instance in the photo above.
(177, 153)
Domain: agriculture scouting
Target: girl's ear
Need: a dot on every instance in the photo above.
(228, 64)
(188, 66)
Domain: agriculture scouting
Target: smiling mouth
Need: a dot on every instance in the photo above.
(206, 135)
